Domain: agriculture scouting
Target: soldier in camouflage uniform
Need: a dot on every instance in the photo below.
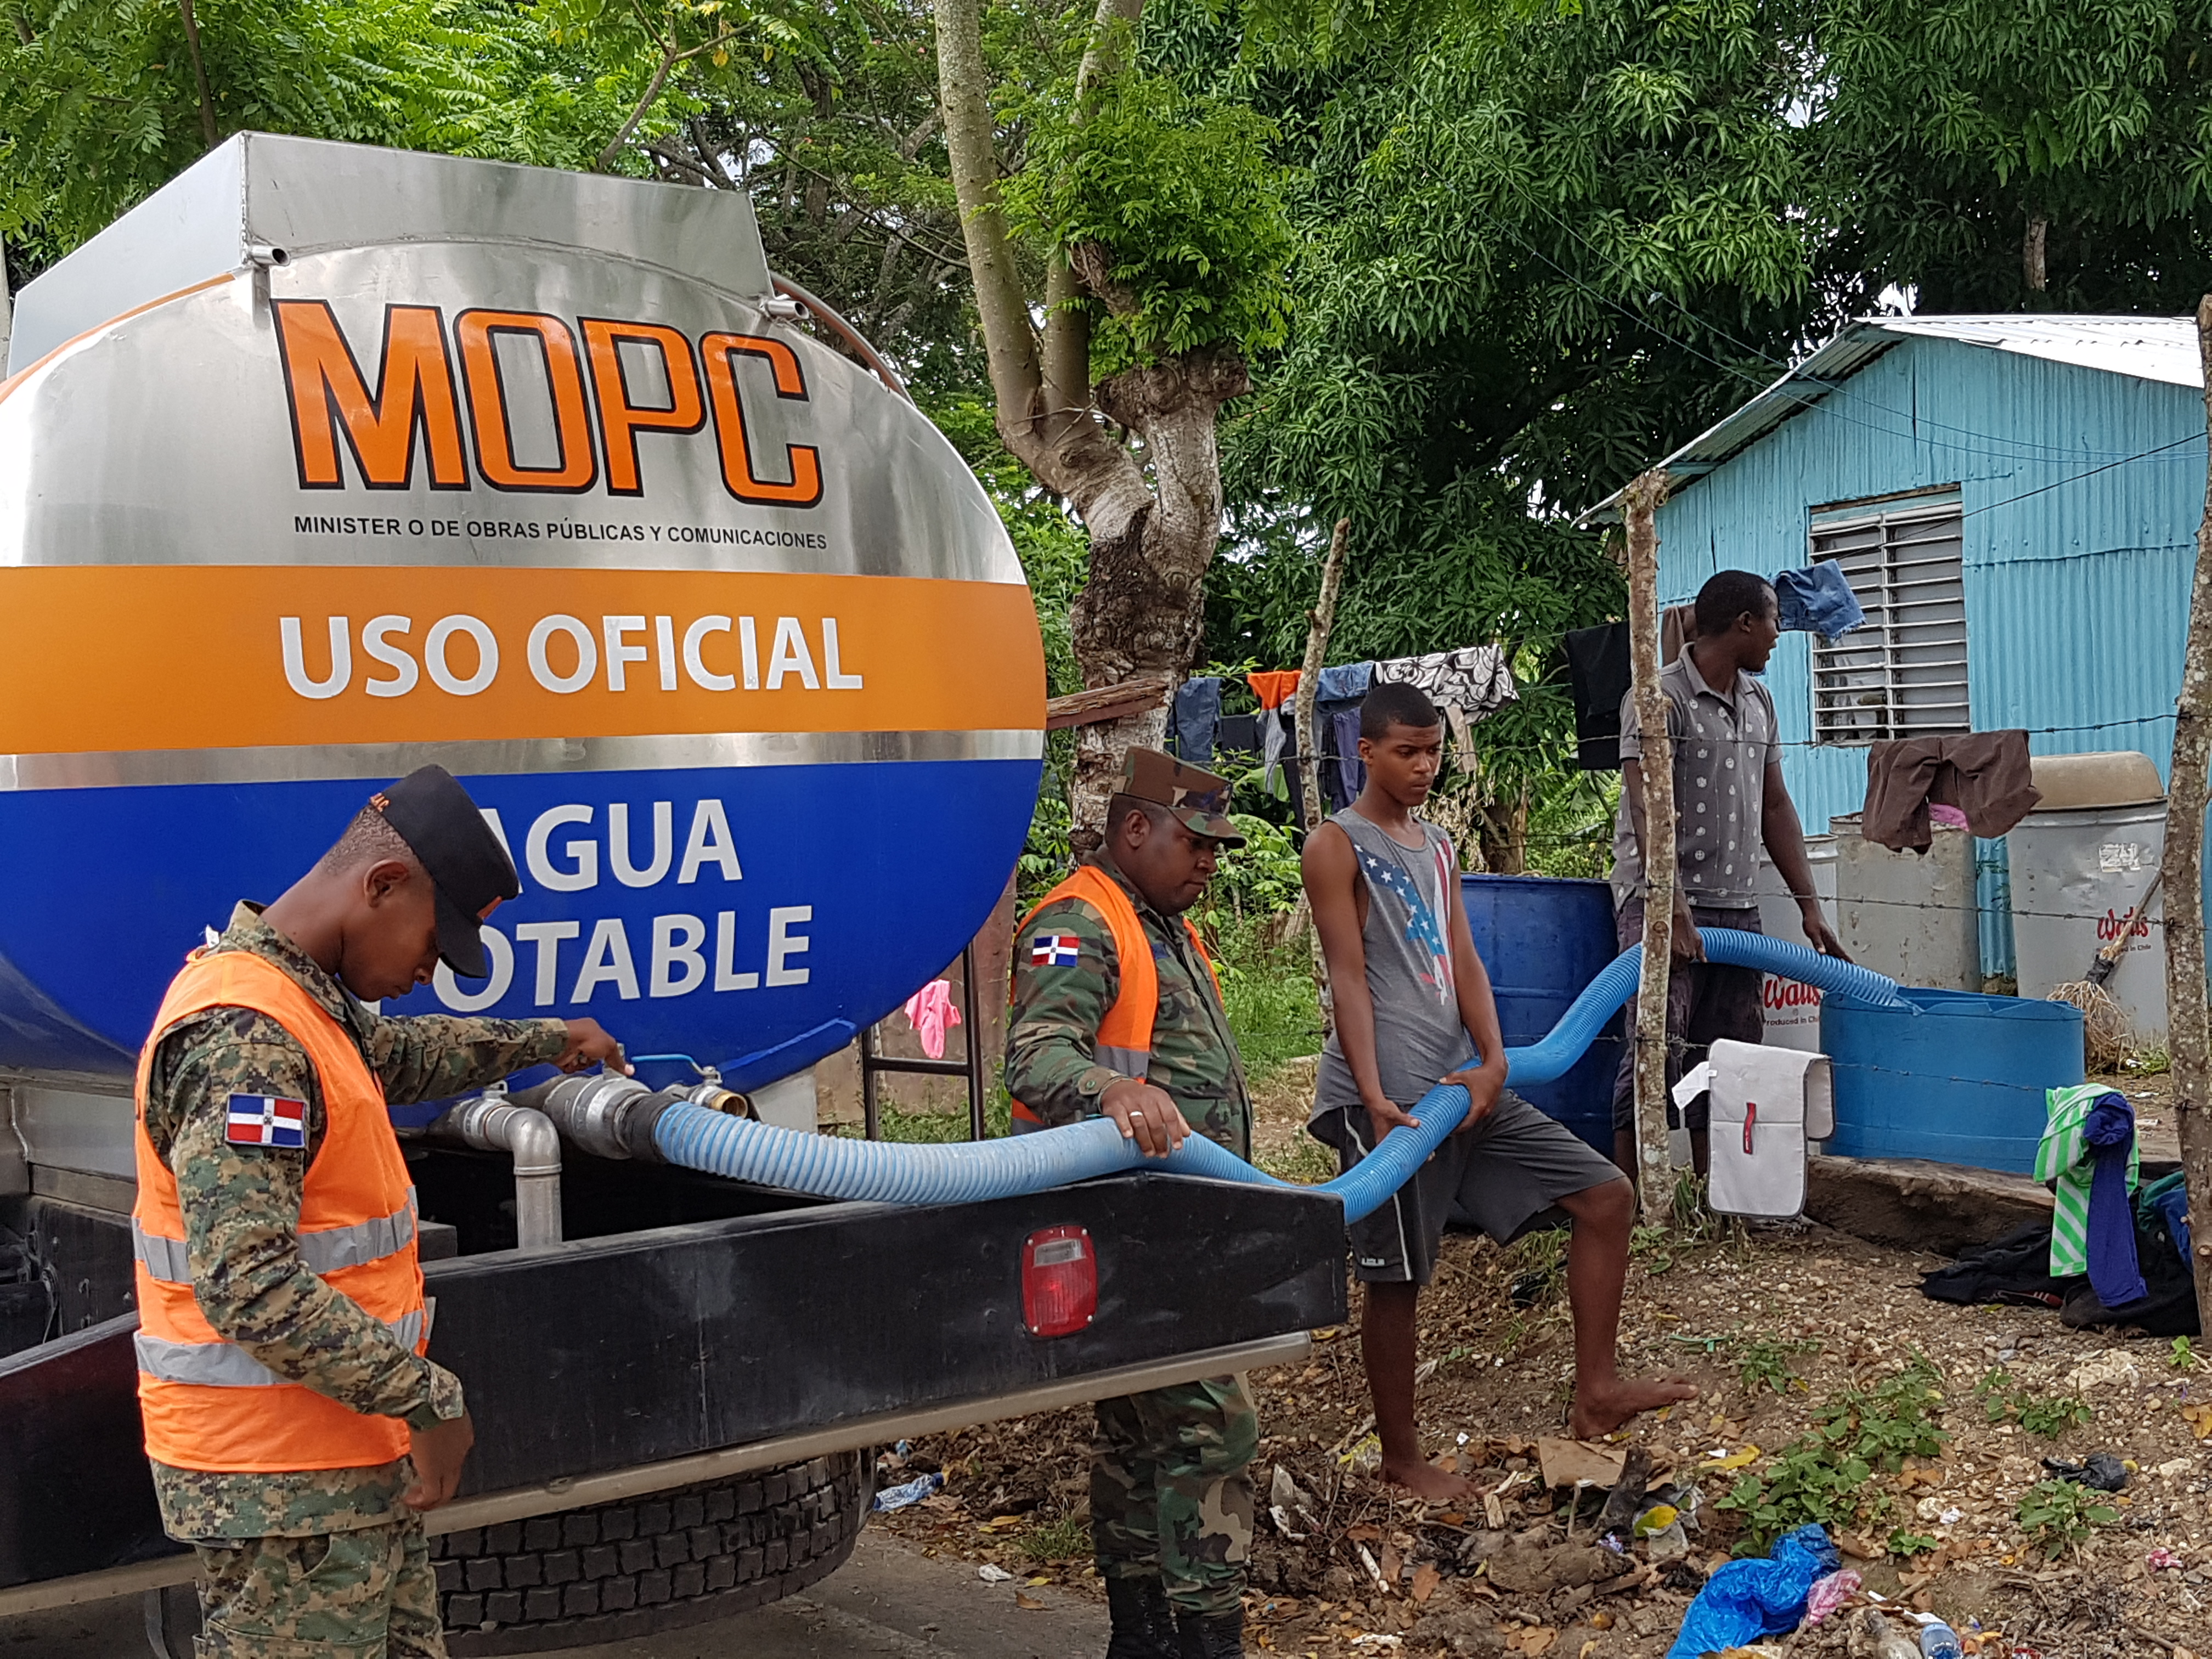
(1171, 1494)
(327, 1562)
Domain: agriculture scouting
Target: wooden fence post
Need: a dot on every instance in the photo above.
(1656, 1181)
(2189, 1039)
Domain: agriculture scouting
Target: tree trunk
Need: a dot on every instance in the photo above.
(2032, 252)
(2189, 1042)
(1150, 542)
(1656, 1178)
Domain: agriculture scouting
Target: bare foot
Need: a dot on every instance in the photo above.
(1598, 1411)
(1427, 1482)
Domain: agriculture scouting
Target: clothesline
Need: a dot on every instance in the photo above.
(1466, 684)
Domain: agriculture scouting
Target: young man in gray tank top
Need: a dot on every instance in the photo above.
(1413, 1008)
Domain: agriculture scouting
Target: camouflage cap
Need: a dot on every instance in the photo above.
(1199, 799)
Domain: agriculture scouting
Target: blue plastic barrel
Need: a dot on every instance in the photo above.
(1543, 938)
(1953, 1077)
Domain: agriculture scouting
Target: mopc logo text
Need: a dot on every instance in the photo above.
(433, 381)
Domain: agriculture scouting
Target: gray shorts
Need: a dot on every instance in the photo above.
(1501, 1177)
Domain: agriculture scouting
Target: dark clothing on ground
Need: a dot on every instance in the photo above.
(1705, 1001)
(1983, 774)
(1504, 1176)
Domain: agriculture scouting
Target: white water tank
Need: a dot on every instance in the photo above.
(2078, 870)
(1912, 916)
(1793, 1010)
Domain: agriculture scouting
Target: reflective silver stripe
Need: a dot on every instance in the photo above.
(1129, 1062)
(226, 1365)
(165, 1258)
(685, 750)
(334, 1248)
(324, 1252)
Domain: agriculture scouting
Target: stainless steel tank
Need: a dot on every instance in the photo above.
(324, 462)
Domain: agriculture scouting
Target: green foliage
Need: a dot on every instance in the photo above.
(1947, 127)
(1171, 208)
(1903, 1544)
(1268, 991)
(2045, 1415)
(1256, 880)
(2181, 1355)
(1827, 1476)
(2057, 1514)
(103, 106)
(1766, 1363)
(1065, 1539)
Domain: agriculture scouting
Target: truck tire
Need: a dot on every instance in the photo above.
(621, 1570)
(658, 1562)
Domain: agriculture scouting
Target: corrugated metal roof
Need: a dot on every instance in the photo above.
(2162, 349)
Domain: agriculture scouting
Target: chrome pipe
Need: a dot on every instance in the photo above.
(491, 1123)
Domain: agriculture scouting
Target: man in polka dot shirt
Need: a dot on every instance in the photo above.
(1729, 801)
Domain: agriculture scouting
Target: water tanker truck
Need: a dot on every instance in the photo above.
(325, 462)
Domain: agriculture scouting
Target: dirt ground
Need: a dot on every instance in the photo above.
(1774, 1327)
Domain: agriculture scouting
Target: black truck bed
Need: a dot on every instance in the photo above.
(650, 1347)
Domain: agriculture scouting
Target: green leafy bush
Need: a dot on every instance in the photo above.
(2055, 1514)
(2045, 1415)
(1827, 1476)
(1171, 210)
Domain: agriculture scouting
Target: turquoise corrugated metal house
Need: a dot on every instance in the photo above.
(2015, 501)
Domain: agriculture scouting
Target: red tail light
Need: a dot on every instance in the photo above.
(1060, 1281)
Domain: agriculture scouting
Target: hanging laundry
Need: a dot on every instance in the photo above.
(1344, 684)
(931, 1012)
(1197, 716)
(1347, 776)
(1818, 600)
(1238, 734)
(1983, 774)
(1475, 677)
(1598, 674)
(1275, 745)
(1678, 626)
(2088, 1148)
(1273, 687)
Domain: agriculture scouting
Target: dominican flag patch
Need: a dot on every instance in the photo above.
(1055, 950)
(267, 1120)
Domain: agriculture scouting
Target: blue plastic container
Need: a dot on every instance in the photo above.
(1543, 940)
(1953, 1077)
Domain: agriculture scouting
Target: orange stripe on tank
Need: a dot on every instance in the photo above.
(99, 659)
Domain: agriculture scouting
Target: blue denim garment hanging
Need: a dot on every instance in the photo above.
(1819, 600)
(1197, 716)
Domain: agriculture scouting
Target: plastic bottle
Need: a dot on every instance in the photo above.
(1939, 1641)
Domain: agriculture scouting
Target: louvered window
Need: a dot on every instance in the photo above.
(1904, 674)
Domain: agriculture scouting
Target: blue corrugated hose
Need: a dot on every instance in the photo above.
(830, 1166)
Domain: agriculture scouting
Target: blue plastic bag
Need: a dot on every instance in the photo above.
(1746, 1600)
(897, 1498)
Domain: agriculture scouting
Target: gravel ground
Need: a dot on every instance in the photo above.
(1773, 1327)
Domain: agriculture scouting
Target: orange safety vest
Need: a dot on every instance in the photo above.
(1125, 1036)
(207, 1404)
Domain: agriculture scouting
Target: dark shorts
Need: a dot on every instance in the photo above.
(1705, 1001)
(1501, 1177)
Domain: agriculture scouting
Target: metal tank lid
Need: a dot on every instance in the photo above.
(2112, 777)
(259, 198)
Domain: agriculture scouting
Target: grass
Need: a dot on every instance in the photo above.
(1267, 991)
(1766, 1363)
(1063, 1539)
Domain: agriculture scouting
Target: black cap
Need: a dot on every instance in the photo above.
(467, 866)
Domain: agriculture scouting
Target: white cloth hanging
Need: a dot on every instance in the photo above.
(1768, 1105)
